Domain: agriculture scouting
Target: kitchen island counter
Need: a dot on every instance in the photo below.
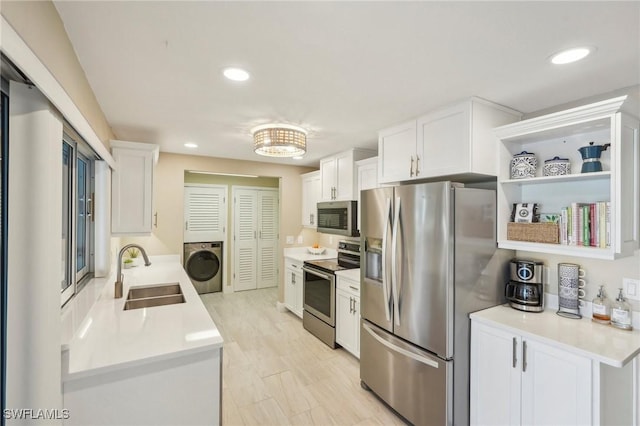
(144, 366)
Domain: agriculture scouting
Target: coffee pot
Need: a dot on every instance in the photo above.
(591, 157)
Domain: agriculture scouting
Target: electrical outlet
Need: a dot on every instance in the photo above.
(300, 239)
(289, 239)
(631, 288)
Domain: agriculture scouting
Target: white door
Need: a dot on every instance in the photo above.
(205, 213)
(495, 376)
(556, 386)
(245, 221)
(344, 176)
(397, 152)
(444, 138)
(310, 197)
(267, 261)
(328, 170)
(255, 239)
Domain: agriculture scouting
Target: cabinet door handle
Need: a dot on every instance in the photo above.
(155, 220)
(351, 305)
(417, 165)
(524, 356)
(311, 219)
(514, 356)
(293, 278)
(411, 167)
(353, 288)
(186, 225)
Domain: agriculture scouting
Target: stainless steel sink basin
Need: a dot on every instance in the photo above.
(154, 291)
(150, 296)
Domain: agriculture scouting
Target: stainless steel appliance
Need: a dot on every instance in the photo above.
(525, 289)
(429, 259)
(203, 264)
(338, 217)
(319, 295)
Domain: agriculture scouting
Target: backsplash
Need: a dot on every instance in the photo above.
(598, 272)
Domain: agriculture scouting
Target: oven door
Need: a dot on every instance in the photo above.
(320, 294)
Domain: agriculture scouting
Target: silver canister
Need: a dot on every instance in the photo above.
(524, 165)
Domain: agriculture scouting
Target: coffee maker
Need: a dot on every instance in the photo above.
(525, 290)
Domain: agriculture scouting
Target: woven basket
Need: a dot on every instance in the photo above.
(533, 232)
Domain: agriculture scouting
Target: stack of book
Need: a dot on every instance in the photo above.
(586, 224)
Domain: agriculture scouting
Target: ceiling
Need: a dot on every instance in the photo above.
(342, 70)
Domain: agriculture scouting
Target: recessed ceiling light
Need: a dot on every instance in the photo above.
(236, 74)
(570, 55)
(298, 158)
(191, 145)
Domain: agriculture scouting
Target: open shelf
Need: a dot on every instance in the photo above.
(562, 249)
(563, 178)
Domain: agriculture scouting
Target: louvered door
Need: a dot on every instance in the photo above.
(205, 213)
(267, 273)
(245, 232)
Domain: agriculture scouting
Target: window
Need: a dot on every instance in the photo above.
(77, 214)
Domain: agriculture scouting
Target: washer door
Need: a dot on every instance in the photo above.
(202, 266)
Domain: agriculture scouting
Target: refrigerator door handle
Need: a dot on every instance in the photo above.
(385, 279)
(398, 349)
(394, 266)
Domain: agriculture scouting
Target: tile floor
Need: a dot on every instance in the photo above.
(276, 373)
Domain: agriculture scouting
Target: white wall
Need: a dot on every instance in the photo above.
(34, 252)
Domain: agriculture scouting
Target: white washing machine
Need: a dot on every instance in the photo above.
(203, 263)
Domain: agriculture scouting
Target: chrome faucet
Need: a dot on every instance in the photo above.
(119, 276)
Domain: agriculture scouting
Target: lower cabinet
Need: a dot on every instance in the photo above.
(348, 315)
(519, 380)
(293, 286)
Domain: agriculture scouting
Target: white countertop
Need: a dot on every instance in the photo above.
(109, 338)
(351, 274)
(599, 342)
(301, 254)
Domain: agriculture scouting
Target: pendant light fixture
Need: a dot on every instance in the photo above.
(279, 140)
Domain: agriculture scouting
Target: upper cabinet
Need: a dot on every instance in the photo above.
(310, 198)
(367, 171)
(456, 140)
(132, 187)
(614, 190)
(338, 178)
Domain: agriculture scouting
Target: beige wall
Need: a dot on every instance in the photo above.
(40, 26)
(168, 190)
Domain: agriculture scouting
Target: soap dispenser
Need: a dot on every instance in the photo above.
(621, 313)
(601, 308)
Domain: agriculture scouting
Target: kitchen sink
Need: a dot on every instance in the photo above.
(156, 295)
(168, 289)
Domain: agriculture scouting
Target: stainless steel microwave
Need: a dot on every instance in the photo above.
(338, 217)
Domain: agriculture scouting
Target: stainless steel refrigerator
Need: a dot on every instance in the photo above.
(429, 259)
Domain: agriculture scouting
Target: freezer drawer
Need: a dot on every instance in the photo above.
(415, 383)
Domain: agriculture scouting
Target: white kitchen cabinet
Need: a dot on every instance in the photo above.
(338, 177)
(398, 151)
(562, 134)
(205, 213)
(517, 380)
(367, 171)
(310, 198)
(348, 314)
(293, 285)
(451, 141)
(132, 187)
